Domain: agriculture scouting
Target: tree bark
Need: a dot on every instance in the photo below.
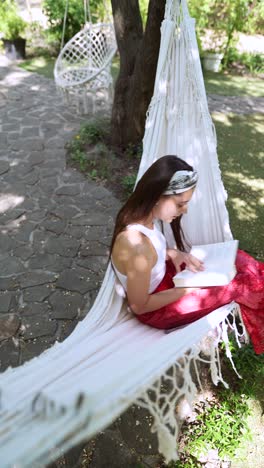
(138, 61)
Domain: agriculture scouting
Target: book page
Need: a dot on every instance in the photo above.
(219, 266)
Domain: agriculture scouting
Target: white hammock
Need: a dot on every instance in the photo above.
(78, 387)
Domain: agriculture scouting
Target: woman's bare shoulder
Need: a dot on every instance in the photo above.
(132, 240)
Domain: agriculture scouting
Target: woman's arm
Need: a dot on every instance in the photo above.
(138, 271)
(158, 300)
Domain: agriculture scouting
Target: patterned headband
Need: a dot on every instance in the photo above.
(181, 181)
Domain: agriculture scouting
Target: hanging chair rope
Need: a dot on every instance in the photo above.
(64, 23)
(87, 12)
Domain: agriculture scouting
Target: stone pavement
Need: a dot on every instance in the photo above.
(55, 224)
(55, 231)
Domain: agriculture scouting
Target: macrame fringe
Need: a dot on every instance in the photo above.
(177, 384)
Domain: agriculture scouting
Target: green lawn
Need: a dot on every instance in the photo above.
(42, 65)
(241, 156)
(233, 85)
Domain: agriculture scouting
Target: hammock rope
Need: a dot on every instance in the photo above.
(78, 387)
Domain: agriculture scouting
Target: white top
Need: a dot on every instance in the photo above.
(159, 243)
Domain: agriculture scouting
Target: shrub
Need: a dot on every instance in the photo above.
(75, 17)
(253, 62)
(12, 26)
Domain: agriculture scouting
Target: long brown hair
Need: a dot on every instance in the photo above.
(148, 191)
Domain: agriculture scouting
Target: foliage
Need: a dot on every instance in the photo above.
(254, 63)
(143, 5)
(128, 182)
(246, 15)
(75, 18)
(12, 26)
(222, 19)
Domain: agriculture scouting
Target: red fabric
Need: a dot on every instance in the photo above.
(247, 289)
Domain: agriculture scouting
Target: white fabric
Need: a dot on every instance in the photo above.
(159, 243)
(77, 387)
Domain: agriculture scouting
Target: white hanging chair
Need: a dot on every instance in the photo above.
(83, 68)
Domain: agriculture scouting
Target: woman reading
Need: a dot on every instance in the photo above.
(145, 267)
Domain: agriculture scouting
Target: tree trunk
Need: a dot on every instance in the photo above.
(138, 61)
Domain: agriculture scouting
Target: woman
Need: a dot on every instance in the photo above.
(145, 267)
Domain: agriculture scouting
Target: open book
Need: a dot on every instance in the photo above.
(219, 266)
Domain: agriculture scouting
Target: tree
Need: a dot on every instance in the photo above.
(138, 49)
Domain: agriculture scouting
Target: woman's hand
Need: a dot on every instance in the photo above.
(192, 263)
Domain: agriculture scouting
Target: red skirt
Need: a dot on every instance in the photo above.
(247, 289)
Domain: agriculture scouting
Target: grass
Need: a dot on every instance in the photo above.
(42, 65)
(222, 423)
(233, 85)
(241, 156)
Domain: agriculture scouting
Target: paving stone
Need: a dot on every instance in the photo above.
(55, 263)
(54, 156)
(97, 233)
(97, 263)
(25, 231)
(63, 246)
(3, 137)
(111, 451)
(65, 212)
(74, 231)
(32, 178)
(72, 176)
(35, 326)
(10, 127)
(71, 190)
(28, 144)
(36, 158)
(13, 136)
(133, 425)
(77, 279)
(38, 215)
(48, 187)
(37, 278)
(30, 131)
(9, 354)
(9, 283)
(37, 293)
(9, 324)
(65, 304)
(38, 308)
(93, 219)
(6, 243)
(93, 248)
(40, 238)
(23, 252)
(11, 265)
(66, 329)
(22, 168)
(54, 224)
(54, 143)
(4, 167)
(5, 301)
(33, 348)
